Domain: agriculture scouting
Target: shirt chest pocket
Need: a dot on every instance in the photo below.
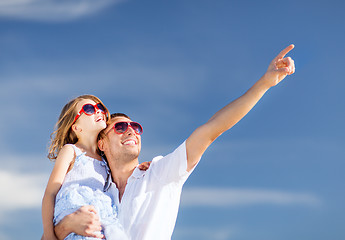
(138, 208)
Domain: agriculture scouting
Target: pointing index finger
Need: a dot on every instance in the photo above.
(285, 51)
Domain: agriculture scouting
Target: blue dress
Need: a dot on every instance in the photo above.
(84, 185)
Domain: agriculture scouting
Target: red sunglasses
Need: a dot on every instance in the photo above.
(90, 109)
(122, 127)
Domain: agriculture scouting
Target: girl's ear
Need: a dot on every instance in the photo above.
(76, 129)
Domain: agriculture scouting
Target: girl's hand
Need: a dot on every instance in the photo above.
(279, 68)
(144, 166)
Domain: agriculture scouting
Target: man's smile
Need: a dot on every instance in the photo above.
(129, 142)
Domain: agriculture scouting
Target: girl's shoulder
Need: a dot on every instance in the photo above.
(66, 154)
(72, 148)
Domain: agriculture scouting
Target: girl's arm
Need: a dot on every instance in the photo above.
(62, 164)
(228, 116)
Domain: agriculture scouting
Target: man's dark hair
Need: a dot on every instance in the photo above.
(114, 115)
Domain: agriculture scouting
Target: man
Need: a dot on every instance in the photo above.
(148, 200)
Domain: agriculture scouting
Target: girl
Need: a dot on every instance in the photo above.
(79, 174)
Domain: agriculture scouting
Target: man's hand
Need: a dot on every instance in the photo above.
(144, 166)
(84, 221)
(279, 68)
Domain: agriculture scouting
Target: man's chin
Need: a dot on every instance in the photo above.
(132, 154)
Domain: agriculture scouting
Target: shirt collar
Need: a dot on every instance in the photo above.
(137, 173)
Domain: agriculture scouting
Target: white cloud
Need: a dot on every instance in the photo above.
(21, 190)
(52, 10)
(228, 197)
(200, 233)
(23, 180)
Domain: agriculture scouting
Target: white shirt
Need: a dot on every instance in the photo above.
(149, 205)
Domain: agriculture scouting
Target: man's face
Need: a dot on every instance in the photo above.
(121, 146)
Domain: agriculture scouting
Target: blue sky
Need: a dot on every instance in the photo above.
(278, 174)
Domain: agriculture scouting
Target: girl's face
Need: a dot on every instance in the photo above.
(90, 123)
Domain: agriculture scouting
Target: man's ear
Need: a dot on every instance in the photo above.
(101, 145)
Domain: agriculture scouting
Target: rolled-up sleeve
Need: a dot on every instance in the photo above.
(172, 167)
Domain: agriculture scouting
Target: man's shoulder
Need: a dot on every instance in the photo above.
(157, 158)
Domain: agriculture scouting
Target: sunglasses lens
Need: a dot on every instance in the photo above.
(137, 127)
(101, 107)
(89, 109)
(121, 127)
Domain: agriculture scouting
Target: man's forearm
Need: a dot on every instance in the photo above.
(61, 229)
(85, 222)
(232, 113)
(221, 121)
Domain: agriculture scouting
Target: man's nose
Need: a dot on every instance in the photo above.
(130, 130)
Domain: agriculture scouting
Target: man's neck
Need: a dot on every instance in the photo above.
(120, 173)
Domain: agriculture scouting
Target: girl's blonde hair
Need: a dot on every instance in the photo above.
(63, 133)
